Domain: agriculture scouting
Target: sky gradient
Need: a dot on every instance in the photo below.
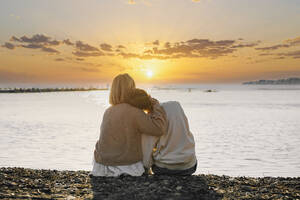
(179, 41)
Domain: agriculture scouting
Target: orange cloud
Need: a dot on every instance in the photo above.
(8, 45)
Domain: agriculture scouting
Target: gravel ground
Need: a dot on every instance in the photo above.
(20, 183)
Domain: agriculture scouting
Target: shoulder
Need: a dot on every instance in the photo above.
(170, 104)
(172, 108)
(123, 107)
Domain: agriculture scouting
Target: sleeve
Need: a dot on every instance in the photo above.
(153, 123)
(148, 143)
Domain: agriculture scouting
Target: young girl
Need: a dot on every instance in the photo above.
(173, 153)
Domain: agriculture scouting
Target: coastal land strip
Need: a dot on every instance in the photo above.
(22, 183)
(288, 81)
(40, 90)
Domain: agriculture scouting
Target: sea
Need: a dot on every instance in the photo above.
(239, 130)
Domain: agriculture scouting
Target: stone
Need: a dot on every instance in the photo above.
(70, 197)
(20, 183)
(178, 187)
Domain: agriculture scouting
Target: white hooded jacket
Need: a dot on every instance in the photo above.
(175, 149)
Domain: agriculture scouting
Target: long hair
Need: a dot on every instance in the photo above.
(120, 88)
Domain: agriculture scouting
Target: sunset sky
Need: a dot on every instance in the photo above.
(155, 41)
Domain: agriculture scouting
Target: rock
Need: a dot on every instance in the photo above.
(20, 183)
(246, 188)
(70, 197)
(178, 188)
(264, 190)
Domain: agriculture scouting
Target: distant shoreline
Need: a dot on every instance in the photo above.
(21, 183)
(42, 90)
(288, 81)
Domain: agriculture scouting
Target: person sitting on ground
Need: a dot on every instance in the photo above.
(118, 150)
(173, 153)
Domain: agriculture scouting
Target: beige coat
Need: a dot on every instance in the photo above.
(120, 133)
(176, 148)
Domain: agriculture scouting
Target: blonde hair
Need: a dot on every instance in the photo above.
(120, 88)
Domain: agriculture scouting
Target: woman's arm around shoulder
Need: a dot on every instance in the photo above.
(153, 123)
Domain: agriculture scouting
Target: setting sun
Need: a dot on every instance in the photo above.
(149, 73)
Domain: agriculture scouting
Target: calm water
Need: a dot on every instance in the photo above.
(239, 131)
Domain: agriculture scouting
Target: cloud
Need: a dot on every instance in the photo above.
(194, 48)
(129, 55)
(205, 42)
(143, 57)
(68, 42)
(167, 45)
(40, 46)
(246, 45)
(50, 50)
(8, 45)
(80, 59)
(156, 42)
(121, 47)
(149, 51)
(88, 54)
(224, 42)
(36, 39)
(292, 54)
(265, 54)
(86, 50)
(274, 47)
(59, 59)
(85, 47)
(149, 56)
(287, 44)
(279, 56)
(106, 47)
(86, 69)
(15, 39)
(46, 43)
(295, 41)
(32, 46)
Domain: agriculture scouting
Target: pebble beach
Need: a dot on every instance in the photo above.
(22, 183)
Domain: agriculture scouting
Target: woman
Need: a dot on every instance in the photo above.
(174, 152)
(118, 150)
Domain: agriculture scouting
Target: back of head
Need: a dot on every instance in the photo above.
(141, 99)
(120, 88)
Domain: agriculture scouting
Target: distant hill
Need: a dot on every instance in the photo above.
(288, 81)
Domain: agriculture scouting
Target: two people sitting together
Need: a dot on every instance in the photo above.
(139, 133)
